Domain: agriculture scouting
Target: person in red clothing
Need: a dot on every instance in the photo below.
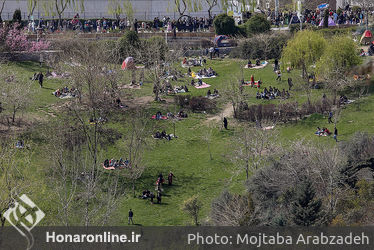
(170, 178)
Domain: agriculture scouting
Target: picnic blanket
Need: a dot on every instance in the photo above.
(162, 117)
(203, 86)
(129, 86)
(263, 65)
(203, 77)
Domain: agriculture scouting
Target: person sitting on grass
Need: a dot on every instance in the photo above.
(182, 114)
(192, 82)
(319, 131)
(326, 131)
(258, 62)
(185, 89)
(209, 93)
(200, 82)
(249, 64)
(106, 163)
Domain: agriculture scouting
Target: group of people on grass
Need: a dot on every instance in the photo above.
(215, 93)
(199, 82)
(193, 62)
(147, 194)
(326, 132)
(206, 72)
(66, 92)
(272, 93)
(250, 65)
(162, 135)
(116, 163)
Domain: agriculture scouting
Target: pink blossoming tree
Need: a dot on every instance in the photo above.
(15, 39)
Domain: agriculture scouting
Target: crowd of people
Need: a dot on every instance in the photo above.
(104, 25)
(348, 15)
(272, 93)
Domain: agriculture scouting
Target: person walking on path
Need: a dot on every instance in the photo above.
(279, 76)
(290, 84)
(225, 122)
(131, 214)
(158, 197)
(330, 117)
(40, 78)
(336, 134)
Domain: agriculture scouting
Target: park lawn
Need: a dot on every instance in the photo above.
(187, 156)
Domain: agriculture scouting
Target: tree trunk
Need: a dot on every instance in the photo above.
(14, 114)
(133, 187)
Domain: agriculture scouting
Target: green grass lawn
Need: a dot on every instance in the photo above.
(187, 156)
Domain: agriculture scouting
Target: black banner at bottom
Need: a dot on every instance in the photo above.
(134, 237)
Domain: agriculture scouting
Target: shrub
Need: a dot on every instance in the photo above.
(257, 24)
(128, 43)
(17, 16)
(224, 25)
(261, 46)
(160, 43)
(296, 27)
(200, 103)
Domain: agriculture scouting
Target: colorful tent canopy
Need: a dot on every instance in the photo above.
(323, 6)
(367, 37)
(330, 22)
(218, 39)
(128, 63)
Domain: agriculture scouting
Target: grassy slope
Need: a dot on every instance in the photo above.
(188, 156)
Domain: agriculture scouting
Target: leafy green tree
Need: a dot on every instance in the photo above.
(306, 210)
(128, 44)
(31, 5)
(257, 24)
(58, 7)
(211, 4)
(338, 58)
(115, 8)
(224, 25)
(304, 50)
(182, 6)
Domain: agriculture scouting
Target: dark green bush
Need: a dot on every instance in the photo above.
(224, 25)
(257, 24)
(262, 46)
(17, 16)
(128, 43)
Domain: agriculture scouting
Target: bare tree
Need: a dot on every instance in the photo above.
(251, 146)
(13, 182)
(16, 93)
(135, 144)
(231, 209)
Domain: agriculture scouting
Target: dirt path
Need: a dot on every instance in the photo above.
(227, 111)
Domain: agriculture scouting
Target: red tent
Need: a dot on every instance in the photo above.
(367, 37)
